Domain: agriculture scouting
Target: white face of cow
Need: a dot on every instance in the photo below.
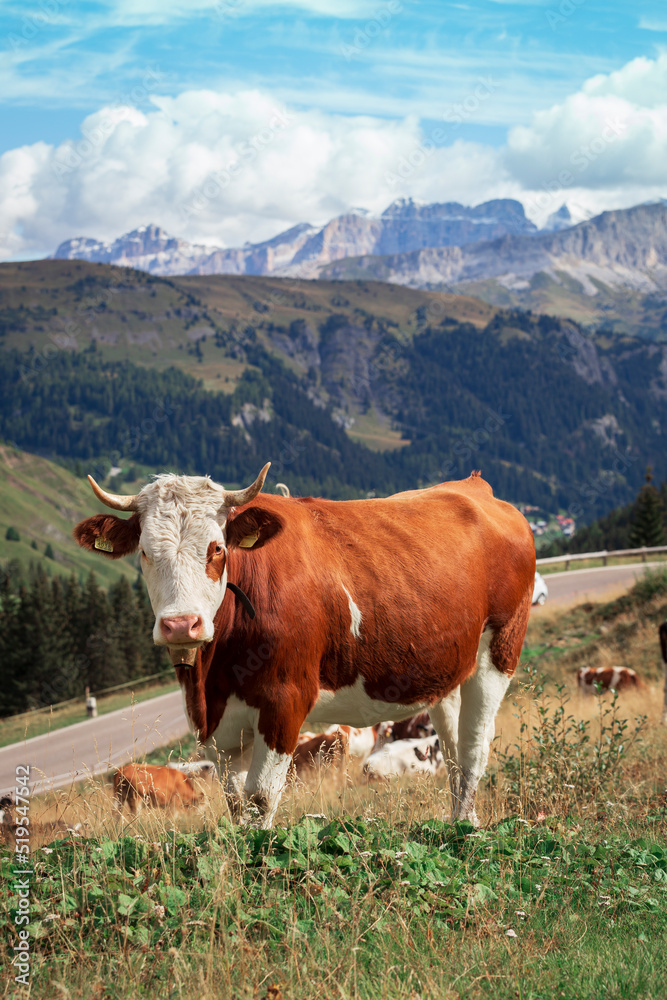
(183, 556)
(179, 525)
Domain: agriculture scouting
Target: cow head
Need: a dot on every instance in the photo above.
(179, 525)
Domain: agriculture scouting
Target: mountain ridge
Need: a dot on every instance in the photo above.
(302, 249)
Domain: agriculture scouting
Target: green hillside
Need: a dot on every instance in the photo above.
(43, 502)
(348, 387)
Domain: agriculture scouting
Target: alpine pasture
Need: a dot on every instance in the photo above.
(362, 889)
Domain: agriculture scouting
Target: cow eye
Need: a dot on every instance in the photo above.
(218, 550)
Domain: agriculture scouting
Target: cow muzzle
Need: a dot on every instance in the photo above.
(182, 630)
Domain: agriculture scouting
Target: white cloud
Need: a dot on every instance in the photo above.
(611, 134)
(222, 168)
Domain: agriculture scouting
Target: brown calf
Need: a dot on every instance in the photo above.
(157, 786)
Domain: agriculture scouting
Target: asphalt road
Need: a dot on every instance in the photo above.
(94, 746)
(571, 585)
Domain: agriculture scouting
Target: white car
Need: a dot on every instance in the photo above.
(540, 592)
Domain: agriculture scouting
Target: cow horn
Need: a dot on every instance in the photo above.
(235, 498)
(113, 500)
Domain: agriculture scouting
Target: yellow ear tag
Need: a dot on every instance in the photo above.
(104, 544)
(249, 541)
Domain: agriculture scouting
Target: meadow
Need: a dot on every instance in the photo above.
(363, 890)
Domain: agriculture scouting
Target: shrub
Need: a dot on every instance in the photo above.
(12, 535)
(558, 765)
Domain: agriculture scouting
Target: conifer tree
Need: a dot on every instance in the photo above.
(647, 519)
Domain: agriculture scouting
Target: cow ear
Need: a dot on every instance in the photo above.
(419, 754)
(110, 535)
(252, 528)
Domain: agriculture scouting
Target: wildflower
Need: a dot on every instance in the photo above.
(511, 933)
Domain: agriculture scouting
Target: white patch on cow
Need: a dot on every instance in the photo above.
(615, 677)
(355, 615)
(481, 696)
(352, 706)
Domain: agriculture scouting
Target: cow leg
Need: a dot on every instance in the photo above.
(233, 769)
(664, 711)
(265, 782)
(481, 696)
(445, 718)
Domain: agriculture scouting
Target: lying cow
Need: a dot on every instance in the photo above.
(342, 612)
(418, 727)
(405, 757)
(592, 679)
(147, 784)
(318, 750)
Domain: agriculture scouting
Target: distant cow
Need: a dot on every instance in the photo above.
(663, 649)
(405, 757)
(331, 747)
(417, 727)
(590, 679)
(157, 786)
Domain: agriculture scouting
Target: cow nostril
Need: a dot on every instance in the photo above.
(196, 626)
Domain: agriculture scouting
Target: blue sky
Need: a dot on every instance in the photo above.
(395, 69)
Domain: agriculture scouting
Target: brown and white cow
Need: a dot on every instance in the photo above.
(593, 679)
(155, 785)
(366, 610)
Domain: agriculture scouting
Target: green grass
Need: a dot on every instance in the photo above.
(350, 906)
(16, 729)
(44, 501)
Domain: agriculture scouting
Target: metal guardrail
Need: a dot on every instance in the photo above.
(137, 682)
(605, 554)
